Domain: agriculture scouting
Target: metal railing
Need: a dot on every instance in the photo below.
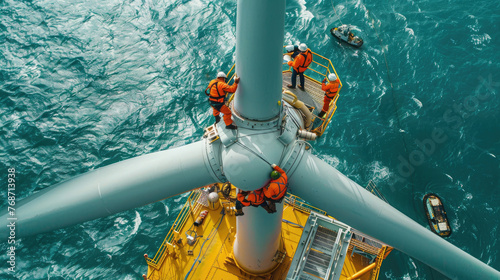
(190, 207)
(333, 108)
(319, 69)
(301, 205)
(380, 257)
(367, 244)
(231, 77)
(371, 187)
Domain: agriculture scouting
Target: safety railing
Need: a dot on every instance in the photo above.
(190, 207)
(368, 244)
(301, 205)
(371, 187)
(319, 69)
(333, 108)
(380, 258)
(231, 76)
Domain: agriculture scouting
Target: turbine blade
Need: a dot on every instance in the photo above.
(112, 189)
(327, 188)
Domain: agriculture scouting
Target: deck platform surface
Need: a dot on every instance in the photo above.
(211, 256)
(312, 96)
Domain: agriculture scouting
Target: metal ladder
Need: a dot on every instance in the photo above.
(323, 250)
(321, 254)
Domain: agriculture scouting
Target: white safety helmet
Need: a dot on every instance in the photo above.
(290, 48)
(221, 75)
(302, 47)
(332, 77)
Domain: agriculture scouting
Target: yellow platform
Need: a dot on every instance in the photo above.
(210, 257)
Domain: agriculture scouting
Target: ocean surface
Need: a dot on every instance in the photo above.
(84, 84)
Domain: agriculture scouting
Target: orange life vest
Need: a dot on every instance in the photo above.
(214, 93)
(253, 198)
(331, 89)
(277, 188)
(307, 55)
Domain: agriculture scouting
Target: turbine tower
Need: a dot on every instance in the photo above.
(267, 133)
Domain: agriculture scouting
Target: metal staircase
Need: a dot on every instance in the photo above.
(322, 249)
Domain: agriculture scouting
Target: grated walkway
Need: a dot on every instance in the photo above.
(312, 96)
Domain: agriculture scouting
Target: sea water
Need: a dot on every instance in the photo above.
(84, 84)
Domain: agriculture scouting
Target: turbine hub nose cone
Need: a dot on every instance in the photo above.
(247, 163)
(245, 170)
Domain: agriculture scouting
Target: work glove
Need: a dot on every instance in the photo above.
(273, 165)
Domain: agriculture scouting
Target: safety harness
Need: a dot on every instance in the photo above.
(307, 61)
(258, 198)
(220, 96)
(330, 93)
(282, 190)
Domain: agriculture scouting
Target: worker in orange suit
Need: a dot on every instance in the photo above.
(216, 91)
(331, 89)
(300, 64)
(276, 190)
(250, 198)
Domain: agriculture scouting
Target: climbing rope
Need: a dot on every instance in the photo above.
(336, 13)
(396, 111)
(254, 152)
(394, 100)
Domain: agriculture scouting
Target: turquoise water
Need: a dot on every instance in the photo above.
(85, 84)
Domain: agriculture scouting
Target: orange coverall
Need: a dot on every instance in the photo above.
(277, 188)
(218, 89)
(331, 90)
(252, 198)
(301, 61)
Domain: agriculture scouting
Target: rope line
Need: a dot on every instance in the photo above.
(336, 12)
(254, 152)
(398, 118)
(394, 100)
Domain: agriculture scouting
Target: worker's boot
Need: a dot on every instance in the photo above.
(301, 87)
(217, 119)
(239, 212)
(266, 207)
(322, 114)
(231, 126)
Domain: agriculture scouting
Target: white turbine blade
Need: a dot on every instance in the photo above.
(328, 189)
(111, 189)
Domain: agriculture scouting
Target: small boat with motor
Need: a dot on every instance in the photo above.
(344, 33)
(436, 215)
